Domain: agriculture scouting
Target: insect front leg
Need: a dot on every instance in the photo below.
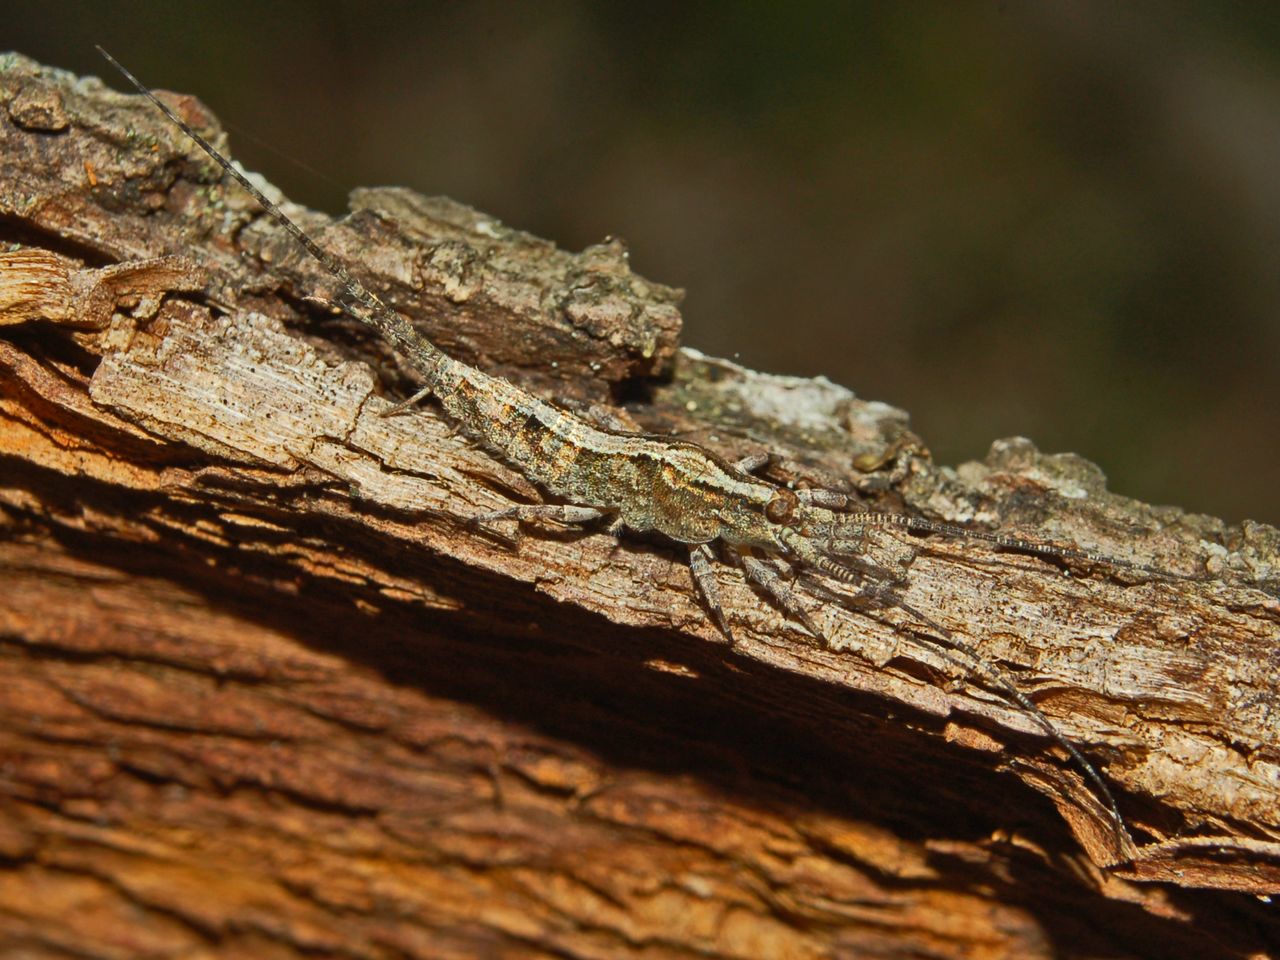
(702, 566)
(872, 595)
(768, 579)
(849, 557)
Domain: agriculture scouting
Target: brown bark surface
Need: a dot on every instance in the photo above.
(266, 692)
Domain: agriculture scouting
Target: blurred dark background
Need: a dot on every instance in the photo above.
(1057, 220)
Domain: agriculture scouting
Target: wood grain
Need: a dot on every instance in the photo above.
(268, 692)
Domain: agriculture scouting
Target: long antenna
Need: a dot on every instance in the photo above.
(967, 658)
(426, 358)
(367, 308)
(1042, 549)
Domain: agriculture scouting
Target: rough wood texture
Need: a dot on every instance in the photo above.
(266, 692)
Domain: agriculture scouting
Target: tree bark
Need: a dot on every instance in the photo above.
(267, 690)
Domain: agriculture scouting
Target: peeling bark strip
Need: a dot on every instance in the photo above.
(269, 692)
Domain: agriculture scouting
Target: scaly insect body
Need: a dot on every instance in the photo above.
(651, 484)
(671, 487)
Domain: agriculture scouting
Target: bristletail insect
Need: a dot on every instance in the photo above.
(672, 487)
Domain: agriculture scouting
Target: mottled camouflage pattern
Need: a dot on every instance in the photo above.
(663, 485)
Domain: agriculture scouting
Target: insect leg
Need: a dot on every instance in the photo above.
(966, 657)
(771, 582)
(856, 569)
(559, 512)
(829, 499)
(753, 462)
(700, 565)
(404, 405)
(878, 594)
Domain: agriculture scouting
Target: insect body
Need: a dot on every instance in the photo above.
(777, 536)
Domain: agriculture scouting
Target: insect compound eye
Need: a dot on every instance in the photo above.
(782, 508)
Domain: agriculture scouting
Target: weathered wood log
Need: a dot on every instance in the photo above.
(266, 690)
